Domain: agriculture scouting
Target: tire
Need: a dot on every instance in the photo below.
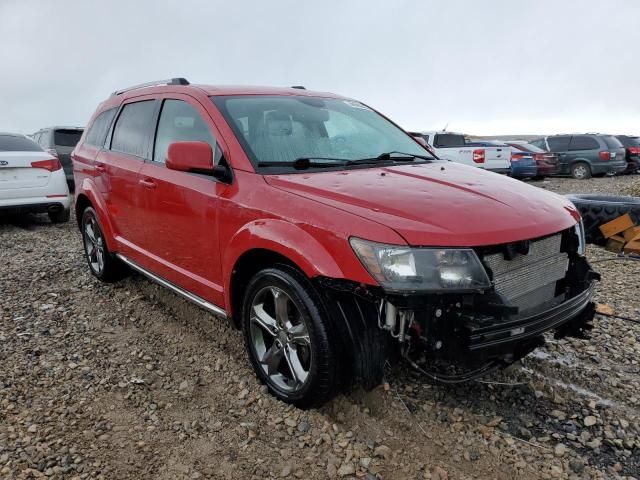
(305, 371)
(581, 171)
(599, 209)
(61, 216)
(102, 263)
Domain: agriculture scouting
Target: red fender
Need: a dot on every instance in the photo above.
(286, 239)
(89, 189)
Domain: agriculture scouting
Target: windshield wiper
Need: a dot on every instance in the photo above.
(402, 156)
(304, 163)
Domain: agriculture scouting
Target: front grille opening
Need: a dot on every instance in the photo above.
(530, 280)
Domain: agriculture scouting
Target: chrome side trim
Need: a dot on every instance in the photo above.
(202, 303)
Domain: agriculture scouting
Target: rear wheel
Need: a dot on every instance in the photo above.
(102, 263)
(581, 171)
(61, 216)
(288, 340)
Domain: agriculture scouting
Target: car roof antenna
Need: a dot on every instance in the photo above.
(445, 127)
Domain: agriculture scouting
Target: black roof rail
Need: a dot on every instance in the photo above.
(170, 81)
(299, 87)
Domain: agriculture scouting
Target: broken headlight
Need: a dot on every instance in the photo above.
(399, 268)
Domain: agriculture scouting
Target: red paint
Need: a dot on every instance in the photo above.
(191, 229)
(189, 156)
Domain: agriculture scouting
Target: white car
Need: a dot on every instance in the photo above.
(31, 180)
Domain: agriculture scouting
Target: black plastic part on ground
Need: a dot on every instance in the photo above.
(599, 209)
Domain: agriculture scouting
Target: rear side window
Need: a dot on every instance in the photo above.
(180, 122)
(66, 138)
(100, 127)
(558, 144)
(443, 140)
(18, 143)
(583, 142)
(130, 134)
(612, 142)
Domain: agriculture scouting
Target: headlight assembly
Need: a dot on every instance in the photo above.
(399, 268)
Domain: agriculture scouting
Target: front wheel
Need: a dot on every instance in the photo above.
(581, 171)
(290, 344)
(102, 263)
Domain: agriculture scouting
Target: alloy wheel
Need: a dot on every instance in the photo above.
(280, 339)
(94, 244)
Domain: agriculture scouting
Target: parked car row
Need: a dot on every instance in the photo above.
(581, 155)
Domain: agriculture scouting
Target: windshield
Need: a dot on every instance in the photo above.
(527, 147)
(283, 129)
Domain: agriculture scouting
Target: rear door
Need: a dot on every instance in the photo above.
(118, 173)
(583, 148)
(182, 207)
(18, 177)
(559, 144)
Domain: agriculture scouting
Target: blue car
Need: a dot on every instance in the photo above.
(523, 164)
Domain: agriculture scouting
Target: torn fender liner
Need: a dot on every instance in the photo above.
(353, 310)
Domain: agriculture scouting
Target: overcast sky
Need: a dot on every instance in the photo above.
(482, 67)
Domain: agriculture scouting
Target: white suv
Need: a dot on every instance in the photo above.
(31, 180)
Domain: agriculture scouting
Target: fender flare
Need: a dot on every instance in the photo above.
(89, 190)
(283, 238)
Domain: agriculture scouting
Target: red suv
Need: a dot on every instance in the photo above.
(327, 233)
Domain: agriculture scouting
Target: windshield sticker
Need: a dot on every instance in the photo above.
(354, 104)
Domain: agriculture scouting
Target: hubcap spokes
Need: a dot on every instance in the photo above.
(280, 339)
(94, 245)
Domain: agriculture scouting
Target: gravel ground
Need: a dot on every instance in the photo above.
(128, 381)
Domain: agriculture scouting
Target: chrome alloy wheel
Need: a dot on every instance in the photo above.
(280, 339)
(94, 244)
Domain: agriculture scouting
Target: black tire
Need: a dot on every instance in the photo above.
(110, 269)
(599, 209)
(61, 216)
(581, 170)
(322, 380)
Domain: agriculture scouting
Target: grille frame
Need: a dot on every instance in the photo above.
(528, 281)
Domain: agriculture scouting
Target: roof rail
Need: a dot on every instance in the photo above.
(299, 87)
(170, 81)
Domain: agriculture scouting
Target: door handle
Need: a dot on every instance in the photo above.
(147, 183)
(100, 168)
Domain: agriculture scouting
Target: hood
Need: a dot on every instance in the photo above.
(439, 203)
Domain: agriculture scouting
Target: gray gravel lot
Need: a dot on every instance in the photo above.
(128, 381)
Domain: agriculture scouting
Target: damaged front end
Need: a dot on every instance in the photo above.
(457, 334)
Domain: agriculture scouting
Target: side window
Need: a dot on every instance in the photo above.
(583, 142)
(178, 122)
(444, 140)
(130, 134)
(97, 132)
(559, 143)
(540, 143)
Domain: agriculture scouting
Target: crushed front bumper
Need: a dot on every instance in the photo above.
(497, 335)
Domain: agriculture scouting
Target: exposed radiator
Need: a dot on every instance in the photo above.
(529, 280)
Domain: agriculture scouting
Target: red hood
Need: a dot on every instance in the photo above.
(438, 204)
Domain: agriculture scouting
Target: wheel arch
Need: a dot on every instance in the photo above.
(87, 197)
(267, 242)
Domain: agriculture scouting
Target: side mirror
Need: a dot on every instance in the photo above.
(190, 157)
(196, 157)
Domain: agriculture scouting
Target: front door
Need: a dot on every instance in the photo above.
(182, 229)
